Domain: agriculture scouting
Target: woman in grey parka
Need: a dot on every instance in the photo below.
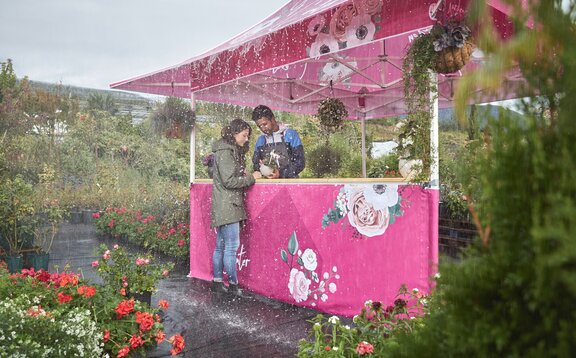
(228, 211)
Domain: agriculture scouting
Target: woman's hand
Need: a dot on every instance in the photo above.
(257, 175)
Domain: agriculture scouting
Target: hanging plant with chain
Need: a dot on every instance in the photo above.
(445, 49)
(331, 113)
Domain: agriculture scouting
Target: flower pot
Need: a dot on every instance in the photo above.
(145, 297)
(452, 59)
(87, 216)
(75, 217)
(14, 263)
(39, 260)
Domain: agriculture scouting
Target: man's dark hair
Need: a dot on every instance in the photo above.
(262, 111)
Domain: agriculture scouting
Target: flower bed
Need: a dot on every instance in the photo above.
(172, 239)
(370, 332)
(84, 320)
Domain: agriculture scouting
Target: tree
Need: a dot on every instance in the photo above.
(99, 102)
(514, 293)
(174, 118)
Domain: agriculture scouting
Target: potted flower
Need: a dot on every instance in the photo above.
(445, 49)
(270, 163)
(16, 206)
(131, 274)
(46, 226)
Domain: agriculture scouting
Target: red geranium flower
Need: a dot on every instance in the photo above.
(145, 320)
(63, 298)
(136, 341)
(364, 348)
(160, 335)
(177, 344)
(124, 308)
(163, 304)
(106, 335)
(123, 352)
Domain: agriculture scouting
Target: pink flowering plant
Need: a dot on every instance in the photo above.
(173, 240)
(169, 237)
(370, 333)
(129, 273)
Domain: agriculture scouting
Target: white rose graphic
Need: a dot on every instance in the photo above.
(309, 259)
(298, 285)
(381, 195)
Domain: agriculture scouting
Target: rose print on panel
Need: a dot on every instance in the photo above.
(351, 24)
(323, 44)
(370, 209)
(360, 30)
(304, 284)
(335, 71)
(299, 285)
(366, 218)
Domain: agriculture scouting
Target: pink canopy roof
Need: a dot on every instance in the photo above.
(313, 49)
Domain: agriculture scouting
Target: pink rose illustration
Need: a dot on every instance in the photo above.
(364, 217)
(298, 285)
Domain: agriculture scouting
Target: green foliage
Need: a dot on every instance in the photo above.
(76, 332)
(324, 160)
(169, 236)
(513, 294)
(16, 204)
(173, 118)
(102, 102)
(129, 273)
(386, 166)
(7, 77)
(331, 114)
(373, 331)
(84, 320)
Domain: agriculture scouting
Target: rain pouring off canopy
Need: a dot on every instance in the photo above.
(310, 50)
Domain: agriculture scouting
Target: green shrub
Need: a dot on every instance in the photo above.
(372, 331)
(324, 161)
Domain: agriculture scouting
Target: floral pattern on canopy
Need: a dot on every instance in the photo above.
(312, 49)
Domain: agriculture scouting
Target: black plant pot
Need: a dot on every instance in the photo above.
(145, 297)
(75, 217)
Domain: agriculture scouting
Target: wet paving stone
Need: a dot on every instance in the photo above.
(212, 324)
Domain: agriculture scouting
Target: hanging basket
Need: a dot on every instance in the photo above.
(331, 113)
(452, 59)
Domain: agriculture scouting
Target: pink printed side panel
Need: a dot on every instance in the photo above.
(327, 247)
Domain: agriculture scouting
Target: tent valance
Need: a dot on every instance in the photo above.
(312, 49)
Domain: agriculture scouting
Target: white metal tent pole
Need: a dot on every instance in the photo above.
(363, 128)
(193, 141)
(434, 159)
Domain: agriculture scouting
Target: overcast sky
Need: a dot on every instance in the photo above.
(93, 43)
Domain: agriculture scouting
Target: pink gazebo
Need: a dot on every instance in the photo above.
(306, 243)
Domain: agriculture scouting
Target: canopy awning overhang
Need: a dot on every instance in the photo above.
(287, 63)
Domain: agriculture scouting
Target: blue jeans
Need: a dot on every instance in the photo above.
(227, 243)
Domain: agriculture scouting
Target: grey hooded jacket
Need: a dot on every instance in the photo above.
(228, 186)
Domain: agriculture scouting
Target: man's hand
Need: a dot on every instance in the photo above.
(257, 175)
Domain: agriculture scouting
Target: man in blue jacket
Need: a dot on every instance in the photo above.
(278, 142)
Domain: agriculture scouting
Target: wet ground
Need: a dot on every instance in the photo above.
(213, 325)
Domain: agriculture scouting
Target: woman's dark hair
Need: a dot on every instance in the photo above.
(236, 126)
